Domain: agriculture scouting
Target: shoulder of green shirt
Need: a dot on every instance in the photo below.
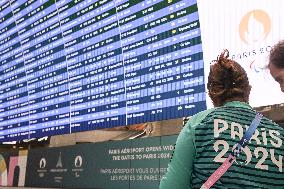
(197, 118)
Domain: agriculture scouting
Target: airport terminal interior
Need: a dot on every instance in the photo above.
(93, 93)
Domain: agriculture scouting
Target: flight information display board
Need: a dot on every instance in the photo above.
(75, 65)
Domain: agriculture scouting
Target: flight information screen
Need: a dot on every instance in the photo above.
(75, 65)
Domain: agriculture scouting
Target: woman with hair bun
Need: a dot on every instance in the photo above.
(211, 137)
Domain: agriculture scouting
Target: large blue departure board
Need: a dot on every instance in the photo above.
(76, 65)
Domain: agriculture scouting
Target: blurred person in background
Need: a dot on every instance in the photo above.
(209, 137)
(276, 63)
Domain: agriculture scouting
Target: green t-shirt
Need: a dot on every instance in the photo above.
(207, 140)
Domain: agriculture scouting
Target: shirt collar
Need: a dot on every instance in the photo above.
(238, 104)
